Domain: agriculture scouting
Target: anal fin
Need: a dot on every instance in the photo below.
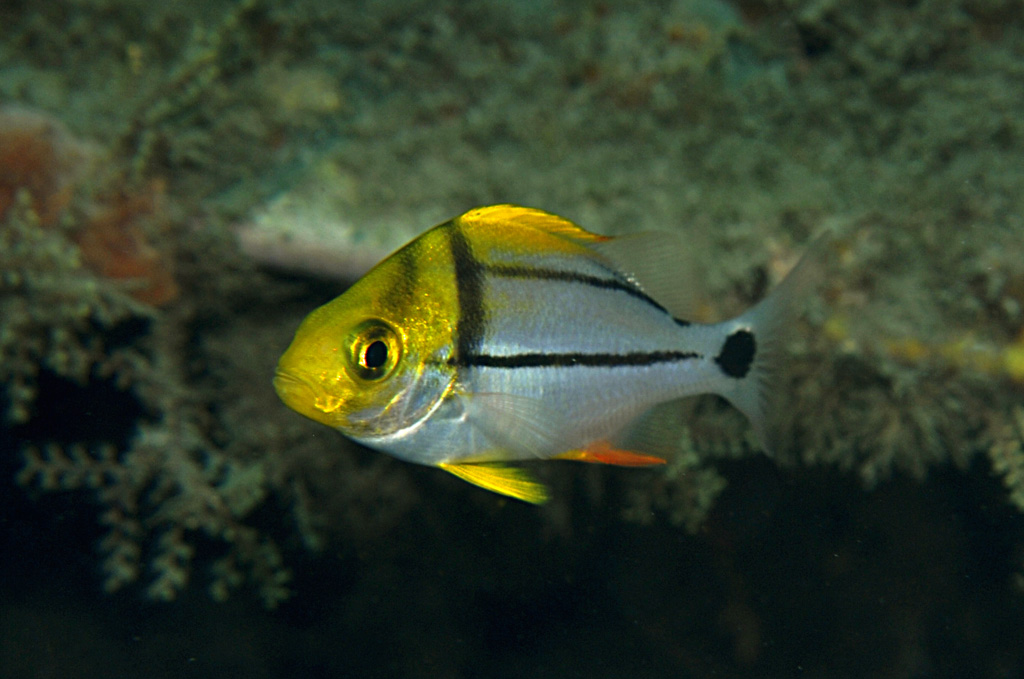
(601, 452)
(514, 482)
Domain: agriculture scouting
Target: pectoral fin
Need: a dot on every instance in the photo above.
(511, 481)
(601, 452)
(520, 427)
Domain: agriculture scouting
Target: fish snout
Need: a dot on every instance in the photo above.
(292, 390)
(302, 397)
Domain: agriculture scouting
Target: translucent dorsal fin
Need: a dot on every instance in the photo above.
(498, 215)
(666, 268)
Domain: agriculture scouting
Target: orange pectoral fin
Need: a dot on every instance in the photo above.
(601, 452)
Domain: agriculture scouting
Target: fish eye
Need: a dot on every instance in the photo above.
(375, 355)
(375, 350)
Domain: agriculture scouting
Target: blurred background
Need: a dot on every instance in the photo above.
(180, 184)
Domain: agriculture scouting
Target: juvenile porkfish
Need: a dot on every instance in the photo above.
(510, 334)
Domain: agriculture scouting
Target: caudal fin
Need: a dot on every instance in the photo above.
(754, 345)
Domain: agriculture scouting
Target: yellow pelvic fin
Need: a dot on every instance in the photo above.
(601, 452)
(511, 481)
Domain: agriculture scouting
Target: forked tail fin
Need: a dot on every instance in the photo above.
(754, 344)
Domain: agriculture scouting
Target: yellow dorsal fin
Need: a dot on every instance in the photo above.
(498, 215)
(601, 452)
(511, 481)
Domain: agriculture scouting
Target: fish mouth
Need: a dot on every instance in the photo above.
(296, 393)
(308, 400)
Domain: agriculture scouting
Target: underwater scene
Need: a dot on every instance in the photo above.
(183, 183)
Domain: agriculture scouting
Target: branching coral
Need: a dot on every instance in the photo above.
(51, 305)
(82, 273)
(1006, 453)
(168, 484)
(181, 479)
(44, 163)
(39, 155)
(684, 492)
(61, 318)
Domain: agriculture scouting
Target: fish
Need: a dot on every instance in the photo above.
(510, 334)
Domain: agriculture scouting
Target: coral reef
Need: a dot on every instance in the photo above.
(40, 156)
(1006, 452)
(751, 128)
(51, 303)
(44, 161)
(96, 313)
(168, 479)
(63, 321)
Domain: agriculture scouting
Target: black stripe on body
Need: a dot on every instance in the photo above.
(404, 285)
(525, 272)
(577, 360)
(469, 272)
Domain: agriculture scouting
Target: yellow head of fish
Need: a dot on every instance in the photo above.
(375, 359)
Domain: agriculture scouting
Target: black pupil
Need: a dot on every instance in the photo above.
(375, 355)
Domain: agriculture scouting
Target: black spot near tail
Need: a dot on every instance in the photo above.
(737, 353)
